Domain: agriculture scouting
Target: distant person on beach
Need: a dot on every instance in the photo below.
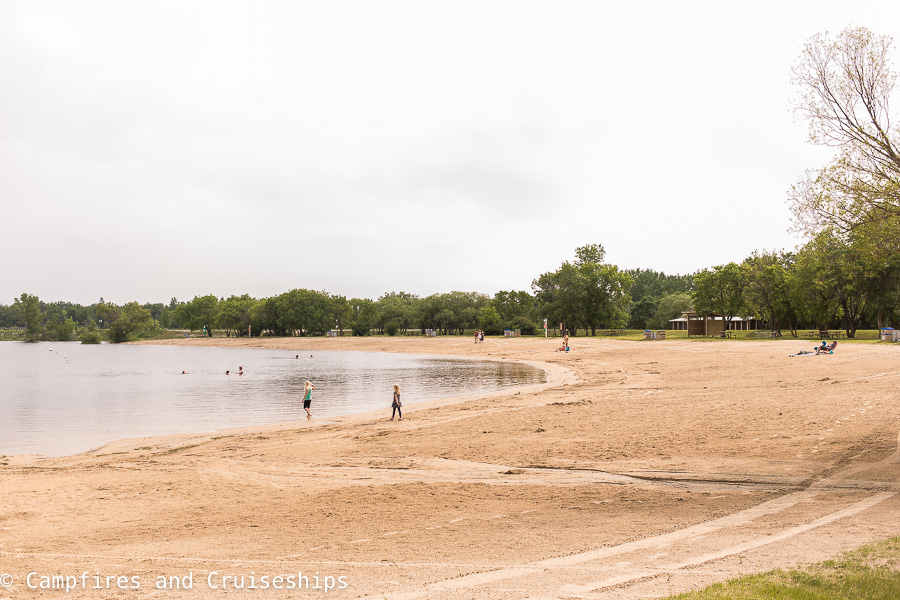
(228, 372)
(395, 405)
(307, 398)
(240, 371)
(481, 336)
(297, 357)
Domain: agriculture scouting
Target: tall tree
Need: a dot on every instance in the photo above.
(233, 314)
(588, 293)
(303, 311)
(670, 306)
(766, 290)
(199, 313)
(339, 311)
(845, 87)
(721, 290)
(517, 310)
(29, 308)
(363, 315)
(132, 318)
(558, 295)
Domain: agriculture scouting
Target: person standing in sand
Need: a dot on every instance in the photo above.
(307, 398)
(395, 405)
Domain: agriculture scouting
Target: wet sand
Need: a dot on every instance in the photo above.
(640, 469)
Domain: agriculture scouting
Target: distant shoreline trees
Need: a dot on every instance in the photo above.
(831, 281)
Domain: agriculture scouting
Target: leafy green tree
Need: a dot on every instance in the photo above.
(588, 293)
(264, 317)
(396, 312)
(813, 288)
(161, 313)
(10, 316)
(558, 295)
(446, 320)
(65, 331)
(90, 336)
(54, 317)
(766, 291)
(363, 316)
(516, 308)
(133, 318)
(106, 313)
(303, 311)
(669, 307)
(489, 321)
(882, 254)
(233, 314)
(29, 307)
(642, 313)
(199, 313)
(604, 295)
(340, 311)
(648, 288)
(656, 284)
(854, 278)
(721, 291)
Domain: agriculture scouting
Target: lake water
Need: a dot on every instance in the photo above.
(63, 398)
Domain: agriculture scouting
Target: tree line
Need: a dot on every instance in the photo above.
(832, 281)
(586, 294)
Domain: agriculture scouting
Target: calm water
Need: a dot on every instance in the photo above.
(64, 398)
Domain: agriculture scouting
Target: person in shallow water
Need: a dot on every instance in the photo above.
(307, 398)
(395, 405)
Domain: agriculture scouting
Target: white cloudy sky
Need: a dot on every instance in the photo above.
(159, 149)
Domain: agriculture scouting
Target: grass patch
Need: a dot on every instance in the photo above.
(870, 573)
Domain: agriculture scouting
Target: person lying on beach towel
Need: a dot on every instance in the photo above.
(825, 348)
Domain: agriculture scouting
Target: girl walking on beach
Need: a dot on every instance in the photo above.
(307, 398)
(396, 404)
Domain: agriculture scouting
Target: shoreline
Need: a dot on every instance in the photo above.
(554, 375)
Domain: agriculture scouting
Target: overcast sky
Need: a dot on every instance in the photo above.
(159, 149)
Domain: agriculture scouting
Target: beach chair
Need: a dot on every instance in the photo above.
(829, 349)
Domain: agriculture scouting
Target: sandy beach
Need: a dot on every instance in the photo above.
(639, 469)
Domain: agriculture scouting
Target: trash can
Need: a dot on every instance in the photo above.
(660, 335)
(649, 335)
(887, 334)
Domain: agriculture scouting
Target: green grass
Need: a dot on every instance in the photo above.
(870, 573)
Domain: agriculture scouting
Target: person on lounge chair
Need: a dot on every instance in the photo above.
(826, 348)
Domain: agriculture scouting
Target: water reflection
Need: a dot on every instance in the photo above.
(58, 405)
